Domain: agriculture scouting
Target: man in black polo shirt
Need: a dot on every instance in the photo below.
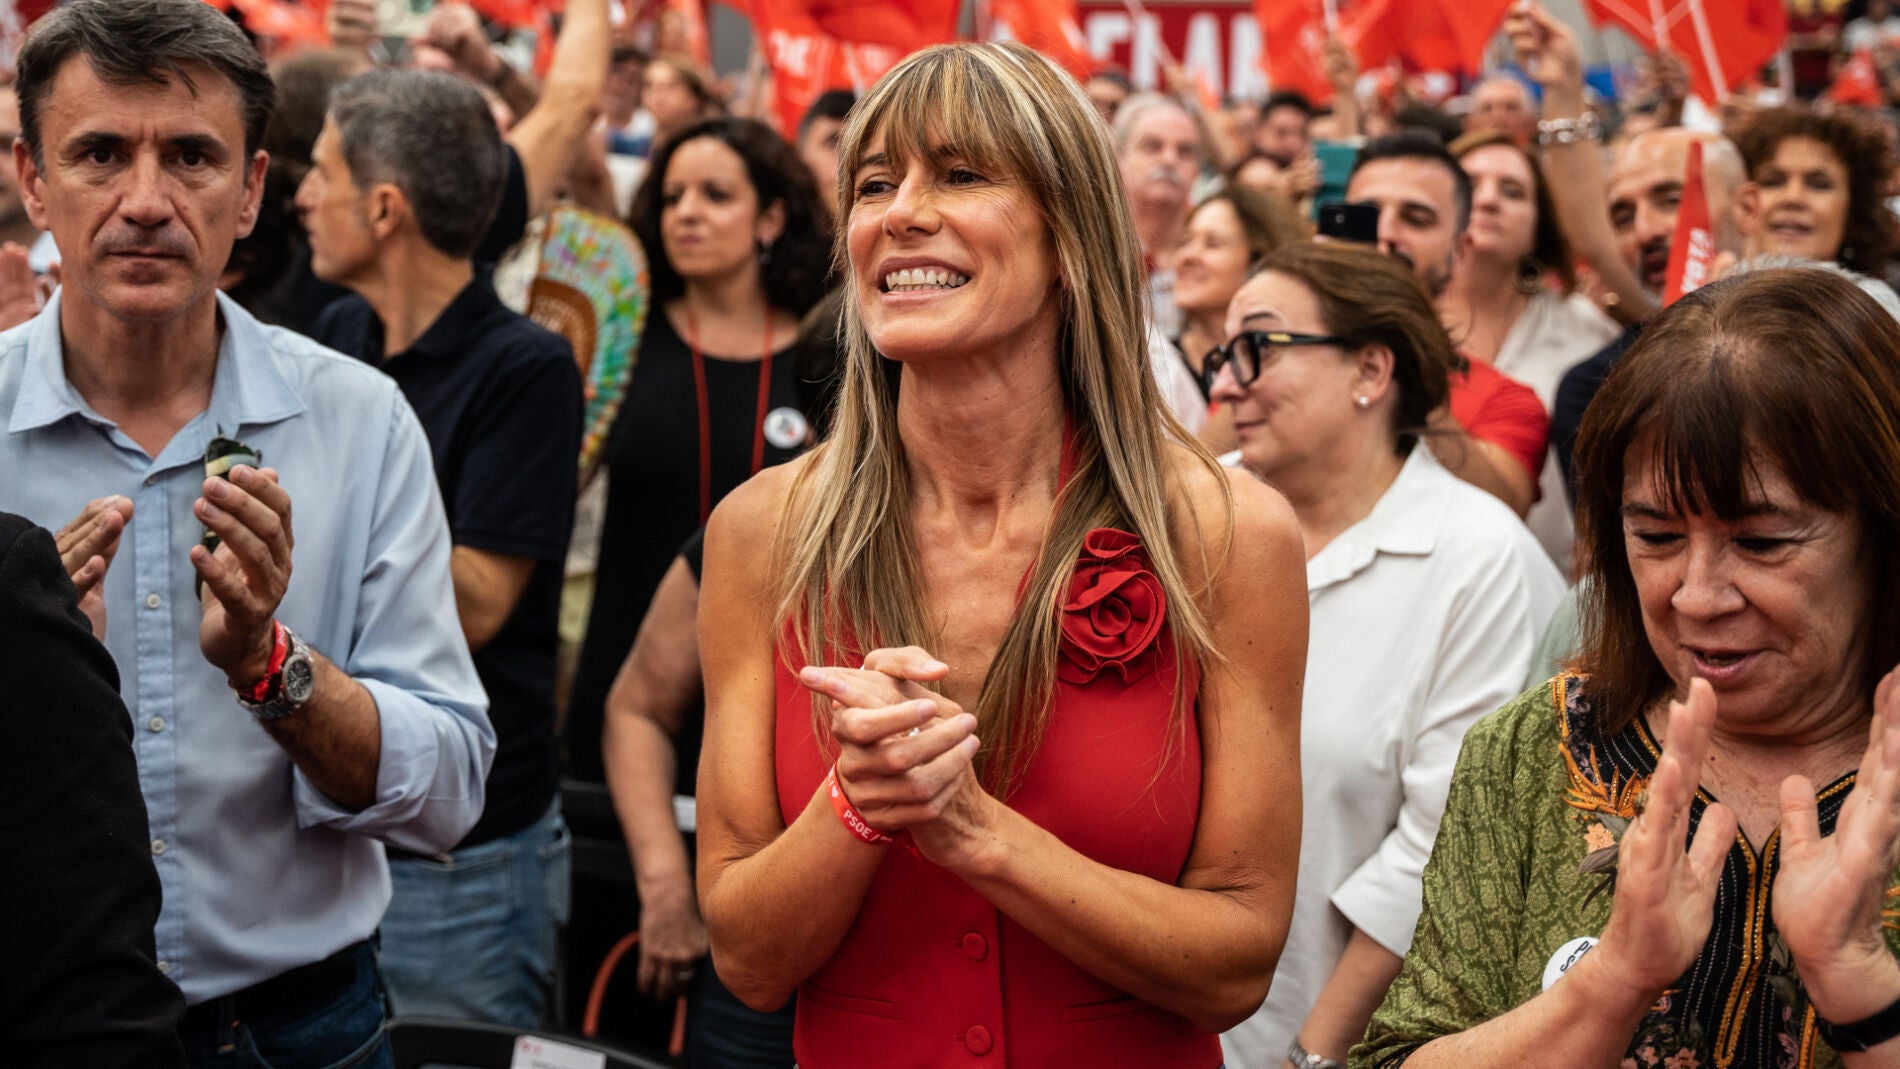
(407, 174)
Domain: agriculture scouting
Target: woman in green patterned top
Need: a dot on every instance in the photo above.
(1636, 868)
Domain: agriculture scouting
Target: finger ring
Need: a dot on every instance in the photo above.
(685, 973)
(914, 732)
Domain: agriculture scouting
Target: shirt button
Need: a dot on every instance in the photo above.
(977, 1039)
(153, 601)
(151, 480)
(158, 847)
(156, 723)
(165, 967)
(975, 946)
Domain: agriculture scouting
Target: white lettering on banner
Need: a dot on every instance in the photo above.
(1695, 267)
(1219, 45)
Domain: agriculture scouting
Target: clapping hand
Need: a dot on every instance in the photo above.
(904, 753)
(1829, 892)
(246, 578)
(86, 548)
(1665, 896)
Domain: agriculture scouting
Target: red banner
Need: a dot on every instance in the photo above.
(1724, 43)
(1692, 248)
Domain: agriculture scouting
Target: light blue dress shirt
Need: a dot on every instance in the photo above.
(261, 872)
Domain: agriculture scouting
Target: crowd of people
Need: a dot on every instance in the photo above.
(901, 520)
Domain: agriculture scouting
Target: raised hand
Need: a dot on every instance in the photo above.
(352, 23)
(1829, 892)
(457, 30)
(904, 753)
(1545, 47)
(1665, 898)
(246, 578)
(86, 548)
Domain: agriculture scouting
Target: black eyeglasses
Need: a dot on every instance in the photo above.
(1251, 350)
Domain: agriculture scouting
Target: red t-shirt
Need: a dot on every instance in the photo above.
(1493, 407)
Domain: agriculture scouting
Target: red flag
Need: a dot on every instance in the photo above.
(1428, 35)
(1858, 82)
(1293, 36)
(288, 22)
(1724, 44)
(1049, 27)
(1692, 248)
(907, 25)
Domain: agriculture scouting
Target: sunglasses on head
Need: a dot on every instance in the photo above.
(1251, 350)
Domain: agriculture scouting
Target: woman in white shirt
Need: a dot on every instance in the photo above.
(1426, 594)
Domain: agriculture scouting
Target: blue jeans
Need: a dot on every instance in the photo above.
(345, 1033)
(474, 936)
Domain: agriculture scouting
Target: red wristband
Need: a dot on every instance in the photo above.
(279, 649)
(848, 816)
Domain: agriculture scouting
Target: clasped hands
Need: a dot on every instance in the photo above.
(1827, 895)
(905, 753)
(244, 581)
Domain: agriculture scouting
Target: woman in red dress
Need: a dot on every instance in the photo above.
(1003, 680)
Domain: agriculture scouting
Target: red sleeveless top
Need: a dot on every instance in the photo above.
(931, 974)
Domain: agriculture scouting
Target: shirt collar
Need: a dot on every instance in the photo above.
(247, 388)
(1404, 522)
(450, 333)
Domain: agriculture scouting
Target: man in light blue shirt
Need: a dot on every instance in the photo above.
(319, 701)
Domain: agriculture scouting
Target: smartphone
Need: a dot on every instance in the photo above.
(1335, 166)
(402, 19)
(1350, 221)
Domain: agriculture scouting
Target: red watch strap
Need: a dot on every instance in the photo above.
(279, 649)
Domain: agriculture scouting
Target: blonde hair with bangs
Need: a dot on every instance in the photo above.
(845, 557)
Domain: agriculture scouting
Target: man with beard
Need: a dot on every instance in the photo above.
(1645, 190)
(1424, 201)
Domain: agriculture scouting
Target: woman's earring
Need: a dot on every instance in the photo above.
(1530, 276)
(765, 253)
(1362, 401)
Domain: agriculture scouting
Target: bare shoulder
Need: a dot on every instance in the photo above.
(1240, 525)
(749, 516)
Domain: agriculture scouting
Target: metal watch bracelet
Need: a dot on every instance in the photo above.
(1569, 131)
(1305, 1059)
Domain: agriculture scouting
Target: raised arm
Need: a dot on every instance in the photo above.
(1573, 169)
(550, 137)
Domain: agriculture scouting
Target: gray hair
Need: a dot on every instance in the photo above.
(143, 42)
(1136, 108)
(432, 136)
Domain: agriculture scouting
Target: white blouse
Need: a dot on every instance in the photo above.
(1424, 617)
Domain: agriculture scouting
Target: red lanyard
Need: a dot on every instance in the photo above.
(705, 410)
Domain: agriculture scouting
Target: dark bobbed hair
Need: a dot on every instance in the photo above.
(1872, 233)
(1370, 298)
(1547, 241)
(432, 136)
(1792, 369)
(795, 274)
(143, 42)
(1412, 143)
(1268, 220)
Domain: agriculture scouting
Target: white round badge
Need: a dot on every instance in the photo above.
(1567, 956)
(786, 428)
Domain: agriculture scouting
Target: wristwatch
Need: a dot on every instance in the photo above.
(1304, 1059)
(288, 681)
(1863, 1034)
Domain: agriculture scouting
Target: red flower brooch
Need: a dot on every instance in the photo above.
(1114, 611)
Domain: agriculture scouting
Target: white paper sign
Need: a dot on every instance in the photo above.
(533, 1053)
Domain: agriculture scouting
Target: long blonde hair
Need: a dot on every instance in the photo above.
(845, 555)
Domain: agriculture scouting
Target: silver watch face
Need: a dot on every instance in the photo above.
(300, 679)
